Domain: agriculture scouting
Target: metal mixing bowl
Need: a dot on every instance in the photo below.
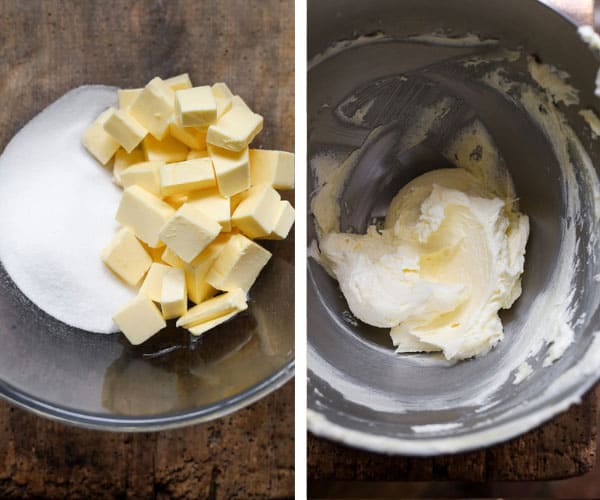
(360, 359)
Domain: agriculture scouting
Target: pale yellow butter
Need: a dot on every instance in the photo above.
(212, 203)
(98, 142)
(154, 253)
(173, 294)
(124, 129)
(152, 284)
(209, 325)
(256, 215)
(179, 82)
(169, 150)
(284, 221)
(145, 175)
(170, 257)
(272, 167)
(139, 319)
(238, 264)
(223, 96)
(126, 257)
(195, 272)
(186, 176)
(236, 128)
(144, 213)
(127, 96)
(124, 160)
(153, 107)
(232, 301)
(195, 107)
(175, 200)
(190, 136)
(189, 232)
(232, 170)
(194, 154)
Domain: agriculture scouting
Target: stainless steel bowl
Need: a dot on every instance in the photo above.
(353, 399)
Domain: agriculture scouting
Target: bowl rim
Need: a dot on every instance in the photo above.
(476, 439)
(160, 422)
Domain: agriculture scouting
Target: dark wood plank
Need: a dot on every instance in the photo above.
(47, 48)
(563, 447)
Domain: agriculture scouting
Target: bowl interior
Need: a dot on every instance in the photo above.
(360, 385)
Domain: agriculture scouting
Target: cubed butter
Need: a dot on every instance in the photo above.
(170, 257)
(284, 221)
(152, 284)
(175, 200)
(195, 272)
(190, 136)
(223, 96)
(169, 150)
(232, 301)
(173, 295)
(144, 213)
(232, 170)
(153, 107)
(194, 154)
(236, 128)
(238, 264)
(126, 257)
(179, 82)
(139, 319)
(212, 203)
(124, 129)
(124, 160)
(188, 232)
(257, 213)
(98, 141)
(145, 175)
(209, 325)
(195, 107)
(127, 96)
(186, 176)
(272, 167)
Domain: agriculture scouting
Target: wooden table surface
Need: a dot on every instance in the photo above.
(48, 47)
(563, 447)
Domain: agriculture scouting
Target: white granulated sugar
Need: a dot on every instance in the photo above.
(58, 206)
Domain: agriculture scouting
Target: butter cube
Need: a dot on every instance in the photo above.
(145, 175)
(238, 265)
(173, 295)
(190, 136)
(209, 325)
(195, 272)
(231, 170)
(223, 96)
(195, 107)
(175, 200)
(212, 203)
(284, 221)
(236, 128)
(127, 96)
(194, 154)
(185, 176)
(139, 319)
(257, 213)
(124, 129)
(232, 301)
(154, 107)
(126, 257)
(152, 284)
(179, 82)
(98, 142)
(123, 160)
(189, 232)
(170, 257)
(169, 150)
(272, 167)
(144, 213)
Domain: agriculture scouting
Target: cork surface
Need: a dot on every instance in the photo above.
(50, 47)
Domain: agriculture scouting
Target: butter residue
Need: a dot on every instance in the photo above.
(589, 36)
(592, 120)
(554, 81)
(450, 257)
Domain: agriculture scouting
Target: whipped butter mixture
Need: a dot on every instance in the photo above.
(449, 258)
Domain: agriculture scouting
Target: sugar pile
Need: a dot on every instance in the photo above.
(58, 207)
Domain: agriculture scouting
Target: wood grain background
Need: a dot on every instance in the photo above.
(49, 47)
